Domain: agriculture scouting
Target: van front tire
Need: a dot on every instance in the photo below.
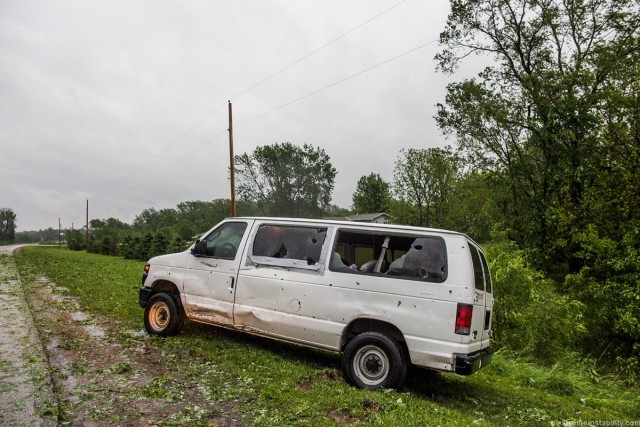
(161, 316)
(372, 361)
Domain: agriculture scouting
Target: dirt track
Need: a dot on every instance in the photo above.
(62, 366)
(26, 393)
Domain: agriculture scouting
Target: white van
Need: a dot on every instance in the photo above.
(384, 295)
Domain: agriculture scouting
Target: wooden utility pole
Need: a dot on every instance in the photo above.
(86, 231)
(231, 164)
(59, 234)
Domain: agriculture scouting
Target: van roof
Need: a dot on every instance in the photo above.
(350, 224)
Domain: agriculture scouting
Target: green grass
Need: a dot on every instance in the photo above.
(104, 285)
(271, 383)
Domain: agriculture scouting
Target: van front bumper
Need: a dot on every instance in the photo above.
(467, 364)
(145, 294)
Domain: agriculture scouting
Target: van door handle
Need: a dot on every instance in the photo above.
(232, 281)
(209, 265)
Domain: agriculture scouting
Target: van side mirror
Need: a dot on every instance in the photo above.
(200, 248)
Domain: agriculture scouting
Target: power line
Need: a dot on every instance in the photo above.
(275, 109)
(170, 166)
(192, 128)
(302, 58)
(335, 83)
(175, 141)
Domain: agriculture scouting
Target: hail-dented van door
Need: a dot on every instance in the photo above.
(211, 273)
(483, 300)
(281, 286)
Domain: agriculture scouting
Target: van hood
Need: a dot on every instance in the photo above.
(170, 260)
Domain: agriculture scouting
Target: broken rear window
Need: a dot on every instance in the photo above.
(399, 255)
(425, 259)
(289, 242)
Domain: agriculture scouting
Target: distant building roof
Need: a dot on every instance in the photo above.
(337, 218)
(369, 217)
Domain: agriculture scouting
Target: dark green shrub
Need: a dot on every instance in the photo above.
(75, 240)
(178, 244)
(608, 286)
(529, 316)
(106, 246)
(159, 245)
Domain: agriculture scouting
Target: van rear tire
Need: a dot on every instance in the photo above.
(373, 361)
(162, 316)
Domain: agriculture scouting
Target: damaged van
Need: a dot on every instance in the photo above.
(385, 296)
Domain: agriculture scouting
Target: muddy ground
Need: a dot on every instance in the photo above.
(26, 390)
(60, 366)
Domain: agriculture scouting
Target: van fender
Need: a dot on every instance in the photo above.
(364, 324)
(158, 286)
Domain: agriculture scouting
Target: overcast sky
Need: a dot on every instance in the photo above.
(100, 100)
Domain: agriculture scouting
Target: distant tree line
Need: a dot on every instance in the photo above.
(153, 232)
(48, 235)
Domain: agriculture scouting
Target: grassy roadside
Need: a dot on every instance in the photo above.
(269, 383)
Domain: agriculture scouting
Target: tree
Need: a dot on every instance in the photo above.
(107, 246)
(106, 235)
(372, 195)
(154, 220)
(7, 225)
(474, 206)
(555, 119)
(283, 179)
(337, 211)
(426, 179)
(543, 115)
(178, 245)
(200, 216)
(75, 240)
(159, 245)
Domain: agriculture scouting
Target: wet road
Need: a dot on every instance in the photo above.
(26, 396)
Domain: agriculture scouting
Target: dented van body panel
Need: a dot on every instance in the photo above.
(323, 283)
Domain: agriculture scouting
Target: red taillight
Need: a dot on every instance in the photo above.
(463, 319)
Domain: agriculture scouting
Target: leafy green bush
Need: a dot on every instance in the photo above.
(159, 245)
(145, 246)
(530, 317)
(108, 246)
(178, 244)
(75, 240)
(608, 286)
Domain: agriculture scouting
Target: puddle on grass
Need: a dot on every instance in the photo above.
(95, 331)
(58, 358)
(139, 333)
(79, 316)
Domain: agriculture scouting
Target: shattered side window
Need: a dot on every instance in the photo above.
(425, 259)
(298, 243)
(477, 268)
(486, 272)
(399, 255)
